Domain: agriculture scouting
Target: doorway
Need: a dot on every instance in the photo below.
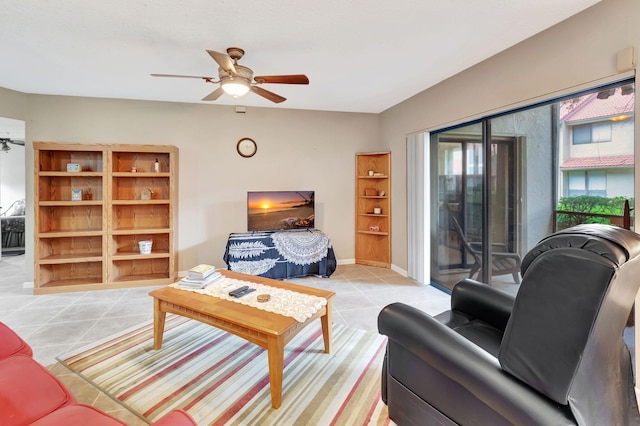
(461, 184)
(12, 187)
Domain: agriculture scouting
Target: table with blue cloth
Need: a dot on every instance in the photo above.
(281, 254)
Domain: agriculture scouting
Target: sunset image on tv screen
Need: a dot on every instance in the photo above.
(271, 210)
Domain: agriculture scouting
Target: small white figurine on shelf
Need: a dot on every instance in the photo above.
(76, 194)
(146, 194)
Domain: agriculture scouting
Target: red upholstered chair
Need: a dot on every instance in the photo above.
(78, 415)
(84, 415)
(11, 343)
(28, 391)
(31, 395)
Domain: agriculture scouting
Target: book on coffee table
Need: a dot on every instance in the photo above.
(200, 272)
(187, 282)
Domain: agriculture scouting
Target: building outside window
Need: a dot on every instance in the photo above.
(587, 182)
(592, 133)
(596, 144)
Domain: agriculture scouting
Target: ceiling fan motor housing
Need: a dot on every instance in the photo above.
(243, 73)
(235, 53)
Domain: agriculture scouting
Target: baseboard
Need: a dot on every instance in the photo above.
(399, 270)
(440, 287)
(353, 261)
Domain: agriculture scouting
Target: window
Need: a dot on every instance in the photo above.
(509, 179)
(592, 182)
(592, 133)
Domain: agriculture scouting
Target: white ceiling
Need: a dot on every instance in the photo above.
(360, 56)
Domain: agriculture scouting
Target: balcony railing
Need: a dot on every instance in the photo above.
(575, 218)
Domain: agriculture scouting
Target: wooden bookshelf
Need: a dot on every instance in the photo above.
(91, 241)
(373, 191)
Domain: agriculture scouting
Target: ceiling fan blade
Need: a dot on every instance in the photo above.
(182, 76)
(13, 141)
(223, 60)
(214, 95)
(267, 94)
(282, 79)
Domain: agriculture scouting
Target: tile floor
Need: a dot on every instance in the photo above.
(55, 324)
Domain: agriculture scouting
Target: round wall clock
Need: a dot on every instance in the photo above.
(246, 147)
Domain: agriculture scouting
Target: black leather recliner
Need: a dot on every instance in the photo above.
(552, 355)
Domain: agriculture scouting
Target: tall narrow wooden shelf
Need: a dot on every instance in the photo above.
(92, 243)
(373, 230)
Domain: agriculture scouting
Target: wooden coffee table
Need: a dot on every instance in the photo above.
(265, 329)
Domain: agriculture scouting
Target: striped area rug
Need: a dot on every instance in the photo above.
(221, 379)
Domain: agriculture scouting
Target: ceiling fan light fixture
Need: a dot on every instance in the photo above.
(5, 147)
(237, 80)
(235, 88)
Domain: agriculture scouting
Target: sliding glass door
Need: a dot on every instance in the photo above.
(505, 182)
(459, 193)
(463, 189)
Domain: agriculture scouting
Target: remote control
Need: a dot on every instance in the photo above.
(239, 292)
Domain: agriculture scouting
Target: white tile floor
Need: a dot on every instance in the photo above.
(55, 324)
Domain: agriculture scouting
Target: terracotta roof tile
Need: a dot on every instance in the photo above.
(589, 107)
(599, 162)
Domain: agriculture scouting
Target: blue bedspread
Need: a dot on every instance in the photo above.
(281, 254)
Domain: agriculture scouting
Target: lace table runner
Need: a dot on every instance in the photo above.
(289, 303)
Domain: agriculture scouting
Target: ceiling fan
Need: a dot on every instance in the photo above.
(236, 80)
(4, 147)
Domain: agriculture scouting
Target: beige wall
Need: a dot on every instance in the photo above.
(577, 53)
(307, 150)
(12, 104)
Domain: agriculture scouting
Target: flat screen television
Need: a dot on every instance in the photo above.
(278, 210)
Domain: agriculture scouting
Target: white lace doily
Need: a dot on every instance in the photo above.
(247, 249)
(302, 248)
(253, 267)
(289, 303)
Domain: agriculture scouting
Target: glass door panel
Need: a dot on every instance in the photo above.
(519, 200)
(459, 184)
